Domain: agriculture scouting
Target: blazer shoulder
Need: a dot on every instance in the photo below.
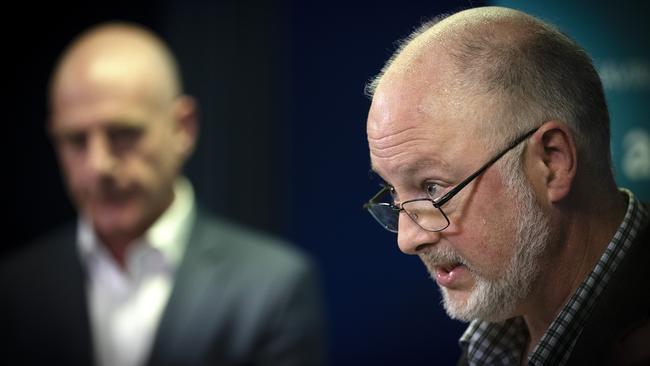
(247, 246)
(38, 253)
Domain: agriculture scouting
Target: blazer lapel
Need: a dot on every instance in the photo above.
(182, 333)
(69, 305)
(48, 300)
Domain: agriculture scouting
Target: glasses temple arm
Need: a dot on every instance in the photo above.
(442, 200)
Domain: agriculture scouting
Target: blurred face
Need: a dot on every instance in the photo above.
(118, 149)
(422, 141)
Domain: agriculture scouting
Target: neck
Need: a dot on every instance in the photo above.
(118, 242)
(583, 232)
(118, 247)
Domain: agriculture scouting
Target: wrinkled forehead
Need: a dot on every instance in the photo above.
(421, 119)
(420, 94)
(405, 136)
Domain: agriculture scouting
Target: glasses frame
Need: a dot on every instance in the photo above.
(438, 202)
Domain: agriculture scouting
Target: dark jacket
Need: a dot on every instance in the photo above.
(239, 298)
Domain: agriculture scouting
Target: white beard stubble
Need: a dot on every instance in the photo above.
(496, 299)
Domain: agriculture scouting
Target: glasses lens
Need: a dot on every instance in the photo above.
(385, 214)
(425, 214)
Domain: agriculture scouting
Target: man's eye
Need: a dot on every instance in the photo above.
(124, 137)
(432, 190)
(76, 141)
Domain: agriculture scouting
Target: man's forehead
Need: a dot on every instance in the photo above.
(403, 109)
(114, 63)
(102, 91)
(99, 112)
(420, 84)
(106, 78)
(396, 105)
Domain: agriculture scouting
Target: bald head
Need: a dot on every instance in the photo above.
(523, 70)
(120, 128)
(446, 35)
(117, 57)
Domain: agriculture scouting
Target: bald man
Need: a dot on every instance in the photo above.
(144, 277)
(490, 132)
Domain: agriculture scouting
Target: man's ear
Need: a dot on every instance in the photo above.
(555, 154)
(187, 124)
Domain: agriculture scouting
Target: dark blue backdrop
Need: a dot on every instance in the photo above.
(383, 308)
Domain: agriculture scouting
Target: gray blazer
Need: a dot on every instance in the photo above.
(239, 298)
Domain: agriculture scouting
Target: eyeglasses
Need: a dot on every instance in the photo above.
(427, 212)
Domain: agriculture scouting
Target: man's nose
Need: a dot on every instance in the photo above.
(100, 155)
(411, 237)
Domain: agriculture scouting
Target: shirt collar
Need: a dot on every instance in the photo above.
(169, 234)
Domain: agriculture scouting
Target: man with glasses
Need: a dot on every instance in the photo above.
(490, 132)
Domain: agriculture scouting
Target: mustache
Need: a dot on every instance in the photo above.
(436, 256)
(109, 189)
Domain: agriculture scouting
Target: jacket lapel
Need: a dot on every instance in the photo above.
(68, 284)
(182, 333)
(48, 304)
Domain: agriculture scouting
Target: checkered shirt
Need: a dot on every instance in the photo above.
(504, 342)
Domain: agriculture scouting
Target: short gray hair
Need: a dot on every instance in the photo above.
(538, 74)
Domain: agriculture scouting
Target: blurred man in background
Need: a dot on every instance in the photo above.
(145, 276)
(491, 133)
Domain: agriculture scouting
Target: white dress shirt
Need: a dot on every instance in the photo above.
(126, 304)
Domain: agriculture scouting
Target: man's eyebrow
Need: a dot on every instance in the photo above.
(65, 132)
(424, 164)
(125, 122)
(413, 168)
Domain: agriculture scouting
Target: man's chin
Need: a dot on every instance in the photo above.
(113, 221)
(456, 304)
(474, 304)
(111, 229)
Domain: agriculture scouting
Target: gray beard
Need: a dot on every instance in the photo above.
(496, 299)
